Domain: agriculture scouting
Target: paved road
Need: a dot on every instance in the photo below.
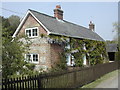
(111, 82)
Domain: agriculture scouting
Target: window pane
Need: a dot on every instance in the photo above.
(28, 32)
(35, 57)
(28, 57)
(34, 32)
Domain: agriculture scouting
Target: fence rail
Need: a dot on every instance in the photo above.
(67, 79)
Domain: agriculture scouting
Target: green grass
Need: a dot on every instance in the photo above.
(98, 81)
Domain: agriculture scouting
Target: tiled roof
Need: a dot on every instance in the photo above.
(62, 27)
(112, 47)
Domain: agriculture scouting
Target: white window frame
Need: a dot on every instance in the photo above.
(31, 29)
(36, 62)
(70, 60)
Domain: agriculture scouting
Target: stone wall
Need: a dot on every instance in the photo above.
(42, 47)
(49, 54)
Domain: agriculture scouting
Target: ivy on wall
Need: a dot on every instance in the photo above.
(94, 51)
(78, 51)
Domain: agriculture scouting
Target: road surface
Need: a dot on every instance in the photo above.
(111, 82)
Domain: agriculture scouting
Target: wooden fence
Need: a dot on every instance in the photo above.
(67, 79)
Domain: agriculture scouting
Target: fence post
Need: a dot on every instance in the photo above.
(74, 77)
(39, 78)
(5, 84)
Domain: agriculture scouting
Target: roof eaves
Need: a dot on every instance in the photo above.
(74, 36)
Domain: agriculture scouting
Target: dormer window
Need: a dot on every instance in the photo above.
(31, 32)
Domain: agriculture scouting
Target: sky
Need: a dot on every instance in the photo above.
(102, 14)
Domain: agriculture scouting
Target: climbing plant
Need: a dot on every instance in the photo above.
(94, 51)
(77, 50)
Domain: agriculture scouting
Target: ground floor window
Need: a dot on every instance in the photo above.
(70, 60)
(84, 60)
(34, 58)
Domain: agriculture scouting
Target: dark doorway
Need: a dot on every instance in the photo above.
(111, 56)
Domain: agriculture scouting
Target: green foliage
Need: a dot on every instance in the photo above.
(62, 63)
(95, 51)
(77, 45)
(14, 22)
(12, 53)
(12, 58)
(63, 41)
(111, 41)
(30, 66)
(116, 27)
(42, 35)
(0, 43)
(116, 56)
(28, 69)
(78, 59)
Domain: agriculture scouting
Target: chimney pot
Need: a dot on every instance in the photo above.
(58, 7)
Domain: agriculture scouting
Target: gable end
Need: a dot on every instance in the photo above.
(24, 20)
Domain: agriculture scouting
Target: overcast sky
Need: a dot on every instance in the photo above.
(103, 14)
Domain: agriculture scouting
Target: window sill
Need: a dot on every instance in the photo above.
(35, 62)
(33, 37)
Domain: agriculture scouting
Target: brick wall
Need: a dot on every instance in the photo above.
(55, 51)
(29, 23)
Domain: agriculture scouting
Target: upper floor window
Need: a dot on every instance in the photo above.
(31, 32)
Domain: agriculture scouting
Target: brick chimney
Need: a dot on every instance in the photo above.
(58, 13)
(91, 26)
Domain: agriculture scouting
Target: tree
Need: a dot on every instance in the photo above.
(14, 22)
(0, 44)
(117, 39)
(116, 27)
(12, 53)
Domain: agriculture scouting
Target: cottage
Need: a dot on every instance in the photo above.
(45, 54)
